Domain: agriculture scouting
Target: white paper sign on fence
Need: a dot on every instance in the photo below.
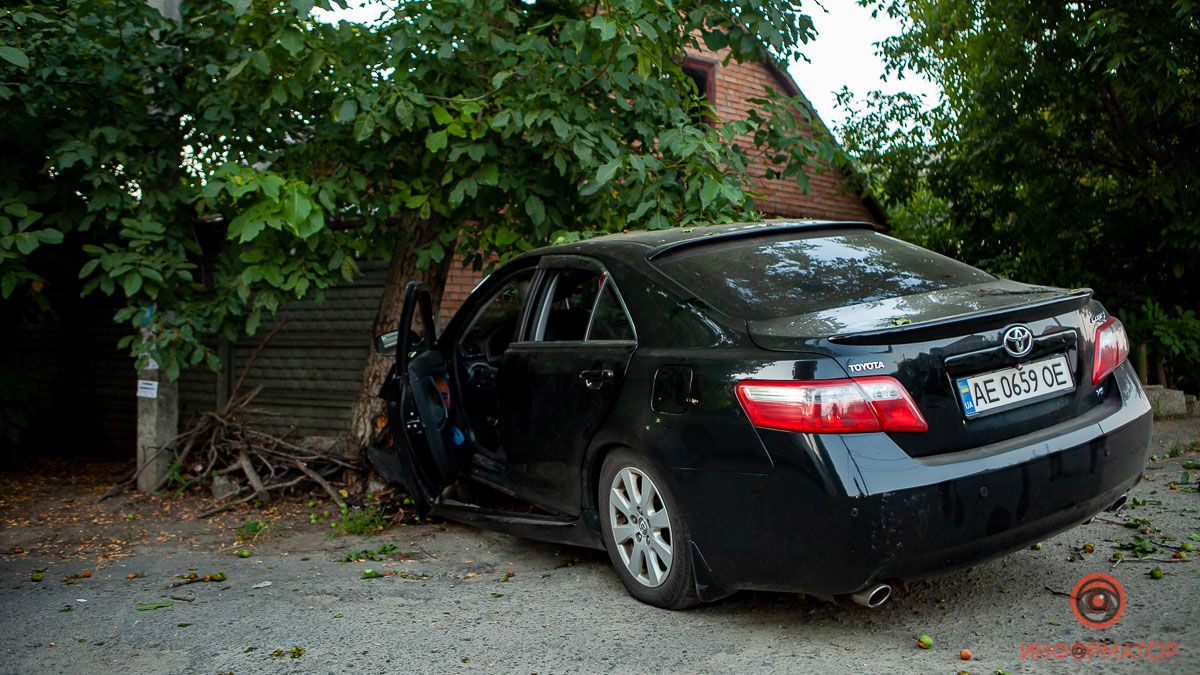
(147, 389)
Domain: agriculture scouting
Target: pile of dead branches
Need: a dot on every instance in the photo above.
(241, 463)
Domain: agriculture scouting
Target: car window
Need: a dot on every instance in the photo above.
(609, 320)
(788, 274)
(495, 324)
(573, 296)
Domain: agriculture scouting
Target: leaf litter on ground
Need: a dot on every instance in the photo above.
(149, 606)
(369, 554)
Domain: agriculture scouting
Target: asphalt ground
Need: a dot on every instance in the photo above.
(453, 598)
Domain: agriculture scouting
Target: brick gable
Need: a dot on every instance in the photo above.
(831, 194)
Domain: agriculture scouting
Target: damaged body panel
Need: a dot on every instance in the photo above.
(802, 406)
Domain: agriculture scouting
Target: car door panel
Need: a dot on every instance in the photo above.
(556, 388)
(426, 444)
(550, 413)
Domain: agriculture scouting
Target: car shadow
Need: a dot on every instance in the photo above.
(1028, 579)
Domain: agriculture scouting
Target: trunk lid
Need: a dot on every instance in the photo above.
(935, 341)
(909, 318)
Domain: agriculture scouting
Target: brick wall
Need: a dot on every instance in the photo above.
(459, 282)
(830, 193)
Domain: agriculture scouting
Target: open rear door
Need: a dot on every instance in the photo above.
(427, 448)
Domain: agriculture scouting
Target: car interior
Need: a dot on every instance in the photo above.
(479, 353)
(577, 305)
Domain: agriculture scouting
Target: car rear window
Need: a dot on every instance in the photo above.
(789, 274)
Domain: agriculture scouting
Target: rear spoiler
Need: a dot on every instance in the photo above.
(985, 319)
(757, 230)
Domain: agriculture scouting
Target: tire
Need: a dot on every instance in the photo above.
(651, 553)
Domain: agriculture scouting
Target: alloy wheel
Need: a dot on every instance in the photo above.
(641, 527)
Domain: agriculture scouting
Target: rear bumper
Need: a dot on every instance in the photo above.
(841, 512)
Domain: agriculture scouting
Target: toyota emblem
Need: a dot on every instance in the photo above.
(1018, 341)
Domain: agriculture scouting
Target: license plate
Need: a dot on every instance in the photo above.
(1011, 387)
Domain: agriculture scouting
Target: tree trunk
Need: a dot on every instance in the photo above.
(367, 404)
(1160, 369)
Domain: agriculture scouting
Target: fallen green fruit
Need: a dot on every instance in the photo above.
(37, 576)
(219, 576)
(924, 642)
(244, 553)
(1037, 546)
(1156, 573)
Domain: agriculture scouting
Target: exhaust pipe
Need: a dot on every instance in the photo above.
(1116, 506)
(872, 597)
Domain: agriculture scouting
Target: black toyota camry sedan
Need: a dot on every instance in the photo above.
(788, 406)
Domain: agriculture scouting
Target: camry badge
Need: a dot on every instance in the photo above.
(1018, 341)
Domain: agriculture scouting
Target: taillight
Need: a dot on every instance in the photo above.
(1111, 349)
(855, 405)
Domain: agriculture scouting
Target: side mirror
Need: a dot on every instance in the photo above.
(385, 344)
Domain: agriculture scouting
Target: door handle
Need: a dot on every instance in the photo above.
(596, 379)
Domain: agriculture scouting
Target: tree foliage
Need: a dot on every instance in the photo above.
(1065, 148)
(211, 168)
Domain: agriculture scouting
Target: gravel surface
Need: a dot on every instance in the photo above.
(458, 599)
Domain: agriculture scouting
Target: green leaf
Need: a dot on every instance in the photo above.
(270, 185)
(311, 225)
(14, 56)
(442, 115)
(88, 267)
(640, 211)
(26, 242)
(235, 71)
(506, 237)
(251, 222)
(49, 236)
(561, 128)
(347, 111)
(296, 208)
(608, 29)
(364, 127)
(489, 174)
(261, 62)
(603, 176)
(292, 40)
(131, 283)
(148, 606)
(436, 141)
(536, 209)
(499, 78)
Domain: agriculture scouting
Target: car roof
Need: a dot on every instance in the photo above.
(652, 243)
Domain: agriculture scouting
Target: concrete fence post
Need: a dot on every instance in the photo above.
(157, 423)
